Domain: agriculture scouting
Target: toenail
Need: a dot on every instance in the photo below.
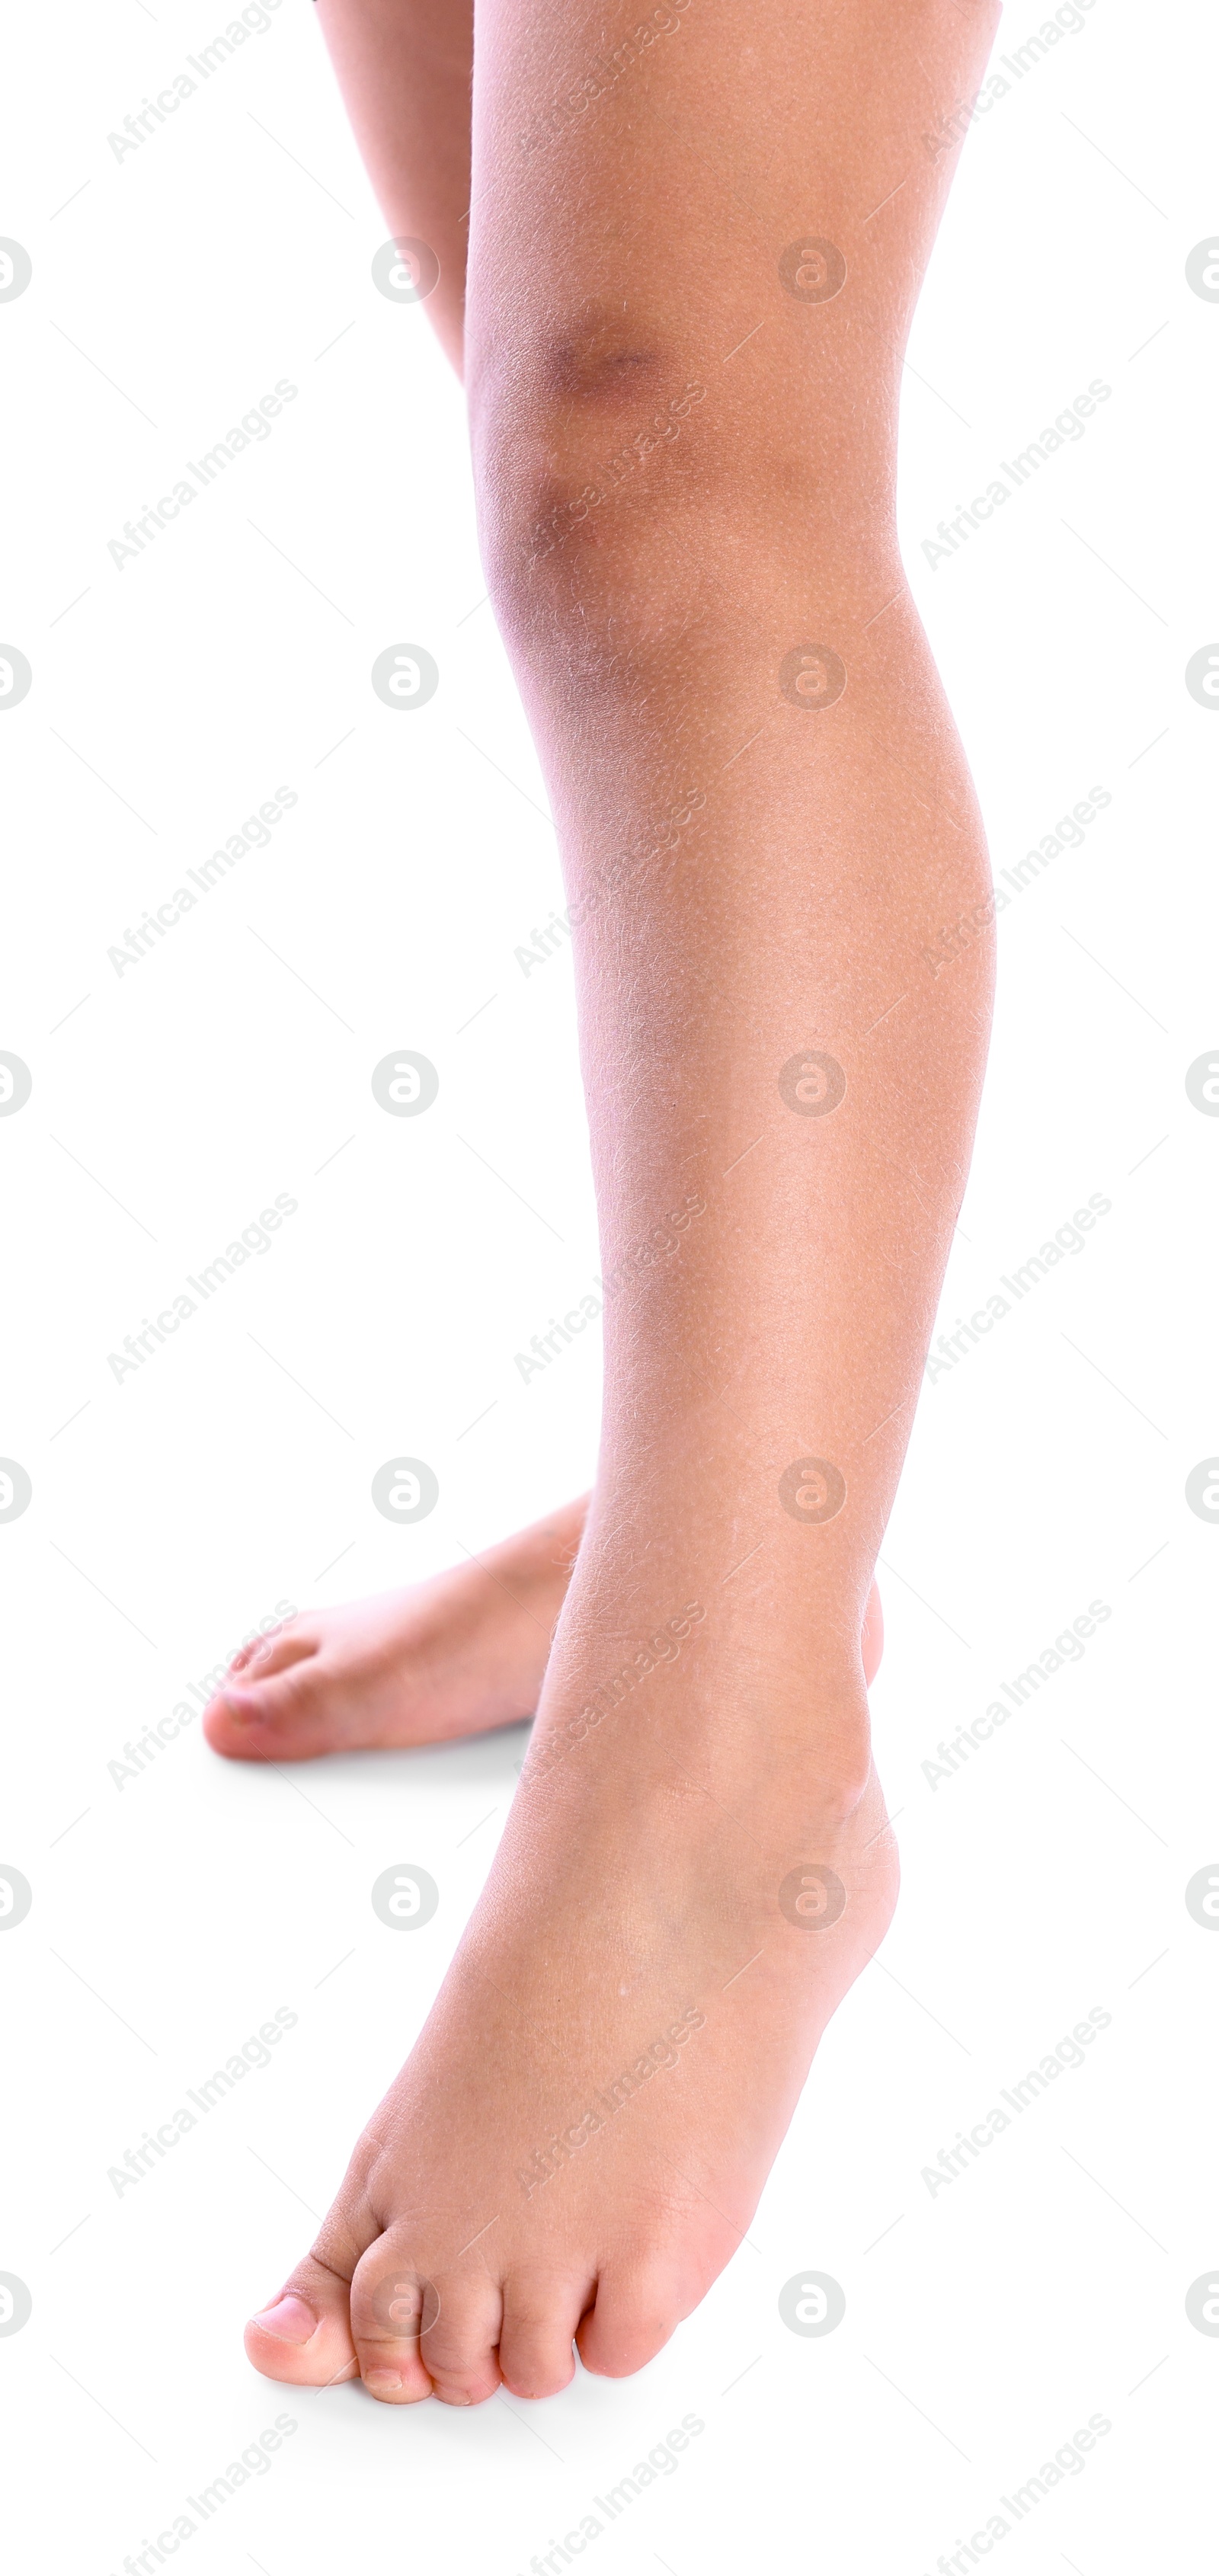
(384, 2383)
(236, 1706)
(290, 2320)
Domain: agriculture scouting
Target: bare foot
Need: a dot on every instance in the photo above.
(696, 1866)
(451, 1657)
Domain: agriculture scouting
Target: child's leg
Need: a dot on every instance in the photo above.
(405, 67)
(688, 301)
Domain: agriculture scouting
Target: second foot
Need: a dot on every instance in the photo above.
(449, 1657)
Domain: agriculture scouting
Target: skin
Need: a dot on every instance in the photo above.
(753, 875)
(405, 68)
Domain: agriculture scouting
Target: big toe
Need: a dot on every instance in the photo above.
(304, 2333)
(280, 1719)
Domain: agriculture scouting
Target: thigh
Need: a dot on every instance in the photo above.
(404, 67)
(755, 189)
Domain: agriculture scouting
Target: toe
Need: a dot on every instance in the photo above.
(275, 1655)
(416, 2337)
(634, 2316)
(267, 1654)
(304, 2333)
(541, 2314)
(459, 2348)
(253, 1719)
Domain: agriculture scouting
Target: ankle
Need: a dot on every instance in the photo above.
(820, 1752)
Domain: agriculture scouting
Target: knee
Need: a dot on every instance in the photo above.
(589, 456)
(627, 502)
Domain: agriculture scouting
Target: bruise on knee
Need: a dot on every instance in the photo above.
(589, 465)
(559, 511)
(601, 357)
(579, 409)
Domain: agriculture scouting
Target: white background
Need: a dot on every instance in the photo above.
(172, 1511)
